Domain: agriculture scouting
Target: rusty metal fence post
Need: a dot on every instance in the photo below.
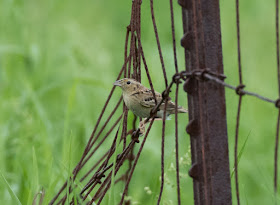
(207, 110)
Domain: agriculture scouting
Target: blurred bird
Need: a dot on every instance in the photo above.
(140, 100)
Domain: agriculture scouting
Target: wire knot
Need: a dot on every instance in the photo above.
(203, 74)
(165, 94)
(277, 103)
(222, 76)
(184, 75)
(99, 176)
(239, 90)
(177, 78)
(135, 135)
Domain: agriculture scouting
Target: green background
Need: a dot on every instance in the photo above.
(58, 60)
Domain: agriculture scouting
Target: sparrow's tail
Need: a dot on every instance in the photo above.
(182, 110)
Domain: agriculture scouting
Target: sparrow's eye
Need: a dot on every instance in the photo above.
(128, 82)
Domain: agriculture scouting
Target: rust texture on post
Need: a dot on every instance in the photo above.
(206, 101)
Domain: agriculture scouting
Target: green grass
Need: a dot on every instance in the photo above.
(58, 60)
(13, 195)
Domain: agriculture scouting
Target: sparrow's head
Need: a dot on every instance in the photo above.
(127, 84)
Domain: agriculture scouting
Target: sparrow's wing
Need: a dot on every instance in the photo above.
(145, 97)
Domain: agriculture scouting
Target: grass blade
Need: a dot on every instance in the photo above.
(240, 153)
(11, 192)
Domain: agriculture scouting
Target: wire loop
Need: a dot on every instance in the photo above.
(239, 90)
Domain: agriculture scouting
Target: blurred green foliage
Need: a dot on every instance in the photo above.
(58, 60)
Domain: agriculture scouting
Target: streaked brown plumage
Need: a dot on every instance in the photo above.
(140, 100)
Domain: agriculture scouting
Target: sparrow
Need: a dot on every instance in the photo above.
(140, 100)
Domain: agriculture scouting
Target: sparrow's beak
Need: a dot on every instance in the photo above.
(117, 83)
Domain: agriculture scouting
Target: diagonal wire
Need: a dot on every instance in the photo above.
(107, 180)
(93, 182)
(101, 142)
(135, 162)
(78, 167)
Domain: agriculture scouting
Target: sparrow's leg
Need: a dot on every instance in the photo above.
(142, 126)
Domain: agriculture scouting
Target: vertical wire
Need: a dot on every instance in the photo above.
(239, 104)
(238, 42)
(147, 71)
(139, 36)
(137, 71)
(277, 44)
(162, 151)
(177, 146)
(276, 155)
(125, 110)
(133, 37)
(278, 118)
(158, 43)
(176, 105)
(132, 29)
(236, 150)
(173, 36)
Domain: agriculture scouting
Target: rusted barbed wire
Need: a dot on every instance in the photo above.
(135, 162)
(134, 58)
(201, 75)
(100, 180)
(206, 74)
(135, 137)
(79, 165)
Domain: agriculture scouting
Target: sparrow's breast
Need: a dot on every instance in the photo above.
(134, 106)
